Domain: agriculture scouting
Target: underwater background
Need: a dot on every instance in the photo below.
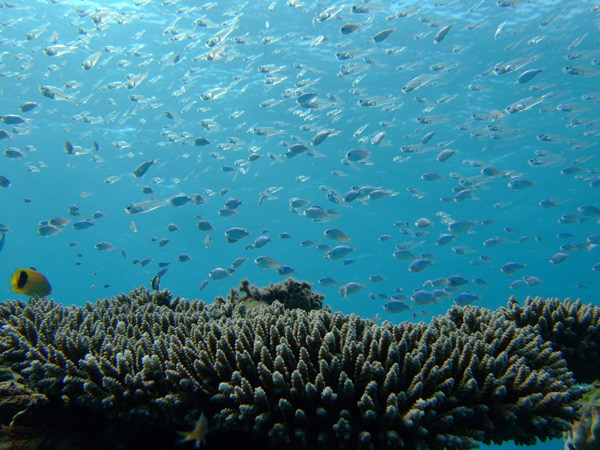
(135, 121)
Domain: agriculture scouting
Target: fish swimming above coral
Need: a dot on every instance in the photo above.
(470, 129)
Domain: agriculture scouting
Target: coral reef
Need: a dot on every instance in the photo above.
(16, 399)
(572, 327)
(291, 293)
(132, 370)
(585, 433)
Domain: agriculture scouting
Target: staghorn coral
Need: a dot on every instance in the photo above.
(141, 366)
(572, 327)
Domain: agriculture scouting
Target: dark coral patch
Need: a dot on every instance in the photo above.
(136, 368)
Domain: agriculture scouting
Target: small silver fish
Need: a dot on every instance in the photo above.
(465, 298)
(29, 106)
(179, 200)
(84, 224)
(261, 241)
(528, 75)
(558, 258)
(144, 207)
(285, 270)
(395, 306)
(423, 297)
(350, 288)
(91, 61)
(349, 28)
(357, 155)
(336, 235)
(444, 155)
(54, 93)
(441, 35)
(339, 252)
(382, 36)
(266, 262)
(12, 119)
(204, 225)
(48, 230)
(418, 265)
(235, 234)
(218, 273)
(104, 246)
(520, 183)
(327, 281)
(143, 168)
(511, 268)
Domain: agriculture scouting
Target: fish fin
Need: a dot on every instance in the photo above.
(198, 434)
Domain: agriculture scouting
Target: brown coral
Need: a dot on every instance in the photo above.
(274, 376)
(291, 293)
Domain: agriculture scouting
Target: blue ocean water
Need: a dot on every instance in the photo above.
(511, 88)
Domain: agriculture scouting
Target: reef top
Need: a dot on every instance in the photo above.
(271, 368)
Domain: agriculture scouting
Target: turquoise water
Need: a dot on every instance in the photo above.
(141, 83)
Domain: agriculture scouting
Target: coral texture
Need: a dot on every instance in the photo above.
(15, 399)
(141, 366)
(291, 293)
(572, 327)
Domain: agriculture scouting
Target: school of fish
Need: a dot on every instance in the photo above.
(401, 156)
